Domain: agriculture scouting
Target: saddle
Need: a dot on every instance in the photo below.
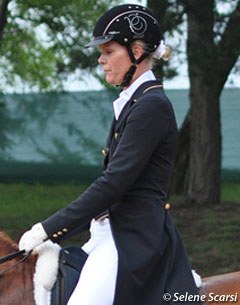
(71, 261)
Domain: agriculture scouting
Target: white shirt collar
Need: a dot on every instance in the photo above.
(125, 95)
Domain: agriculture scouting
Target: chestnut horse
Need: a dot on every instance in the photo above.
(16, 285)
(221, 289)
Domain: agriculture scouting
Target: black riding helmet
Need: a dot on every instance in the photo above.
(125, 24)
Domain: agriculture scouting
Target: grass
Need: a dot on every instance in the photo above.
(210, 234)
(25, 204)
(231, 192)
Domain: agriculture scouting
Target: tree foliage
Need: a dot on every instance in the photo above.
(42, 41)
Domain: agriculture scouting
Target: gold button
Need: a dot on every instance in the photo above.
(105, 151)
(116, 134)
(167, 206)
(60, 233)
(55, 235)
(65, 230)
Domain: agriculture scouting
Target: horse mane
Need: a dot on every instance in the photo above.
(7, 244)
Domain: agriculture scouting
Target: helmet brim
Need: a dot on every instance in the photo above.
(97, 41)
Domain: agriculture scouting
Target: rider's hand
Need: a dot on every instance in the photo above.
(32, 238)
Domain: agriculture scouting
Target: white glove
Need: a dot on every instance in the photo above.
(32, 238)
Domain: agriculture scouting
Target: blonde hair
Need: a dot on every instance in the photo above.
(167, 53)
(165, 56)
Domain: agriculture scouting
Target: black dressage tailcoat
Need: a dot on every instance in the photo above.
(133, 188)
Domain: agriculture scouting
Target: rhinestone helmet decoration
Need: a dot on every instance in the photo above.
(125, 24)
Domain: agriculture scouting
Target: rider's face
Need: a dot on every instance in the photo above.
(115, 61)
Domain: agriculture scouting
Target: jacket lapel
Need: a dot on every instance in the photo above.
(118, 126)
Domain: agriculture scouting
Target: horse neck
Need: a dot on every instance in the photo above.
(16, 285)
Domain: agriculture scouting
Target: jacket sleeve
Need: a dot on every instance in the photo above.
(146, 126)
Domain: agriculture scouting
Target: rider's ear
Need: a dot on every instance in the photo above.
(137, 50)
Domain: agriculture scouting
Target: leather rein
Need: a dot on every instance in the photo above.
(11, 256)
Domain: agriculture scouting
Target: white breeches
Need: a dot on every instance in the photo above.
(97, 282)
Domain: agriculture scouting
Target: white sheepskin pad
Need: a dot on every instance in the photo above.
(45, 272)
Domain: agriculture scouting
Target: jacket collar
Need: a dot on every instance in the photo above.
(126, 95)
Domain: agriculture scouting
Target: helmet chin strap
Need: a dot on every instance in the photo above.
(135, 62)
(128, 76)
